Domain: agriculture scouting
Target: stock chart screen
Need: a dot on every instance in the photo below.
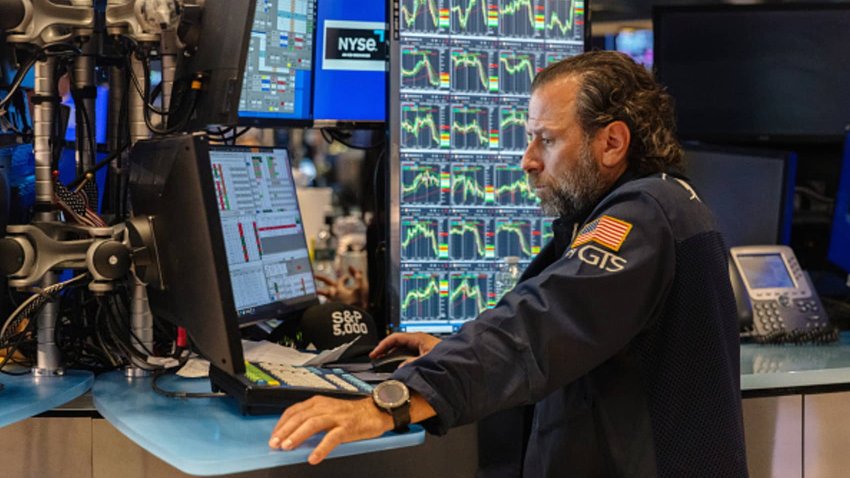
(464, 73)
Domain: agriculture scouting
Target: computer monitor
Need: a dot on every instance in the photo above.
(217, 46)
(277, 90)
(223, 237)
(635, 42)
(350, 74)
(768, 71)
(460, 81)
(839, 245)
(750, 191)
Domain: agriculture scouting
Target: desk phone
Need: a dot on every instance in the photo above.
(774, 294)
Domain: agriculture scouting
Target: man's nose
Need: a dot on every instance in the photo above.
(530, 160)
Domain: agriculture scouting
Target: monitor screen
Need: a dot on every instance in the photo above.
(751, 192)
(839, 245)
(218, 239)
(350, 75)
(765, 271)
(263, 231)
(637, 43)
(460, 203)
(756, 72)
(277, 88)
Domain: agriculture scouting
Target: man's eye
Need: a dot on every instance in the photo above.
(546, 141)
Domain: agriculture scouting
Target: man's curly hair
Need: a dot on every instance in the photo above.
(613, 87)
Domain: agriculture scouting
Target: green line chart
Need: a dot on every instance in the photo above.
(422, 127)
(471, 72)
(422, 184)
(474, 17)
(467, 295)
(517, 71)
(424, 239)
(421, 295)
(512, 128)
(424, 68)
(427, 16)
(468, 239)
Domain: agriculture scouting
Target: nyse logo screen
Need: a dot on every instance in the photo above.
(352, 45)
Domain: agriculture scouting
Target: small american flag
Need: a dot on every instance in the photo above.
(75, 205)
(607, 230)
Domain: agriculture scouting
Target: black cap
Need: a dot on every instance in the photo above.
(332, 324)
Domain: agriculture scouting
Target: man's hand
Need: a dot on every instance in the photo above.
(418, 342)
(351, 288)
(343, 420)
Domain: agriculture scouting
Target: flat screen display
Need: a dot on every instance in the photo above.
(350, 73)
(461, 80)
(749, 190)
(756, 72)
(765, 271)
(263, 231)
(277, 87)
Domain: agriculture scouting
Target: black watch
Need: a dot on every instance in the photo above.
(393, 397)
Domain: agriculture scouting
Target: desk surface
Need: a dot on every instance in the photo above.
(24, 396)
(796, 367)
(208, 436)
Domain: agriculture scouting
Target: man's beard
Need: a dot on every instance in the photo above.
(573, 190)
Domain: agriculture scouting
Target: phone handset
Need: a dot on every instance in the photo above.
(775, 296)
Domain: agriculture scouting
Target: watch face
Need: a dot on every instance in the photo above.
(391, 393)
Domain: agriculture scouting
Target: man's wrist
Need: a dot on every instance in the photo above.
(384, 418)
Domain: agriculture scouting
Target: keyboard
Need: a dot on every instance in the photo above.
(267, 388)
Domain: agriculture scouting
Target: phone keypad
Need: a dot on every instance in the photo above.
(768, 314)
(773, 315)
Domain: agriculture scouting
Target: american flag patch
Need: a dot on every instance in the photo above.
(607, 230)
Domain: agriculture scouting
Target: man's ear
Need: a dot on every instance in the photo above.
(613, 141)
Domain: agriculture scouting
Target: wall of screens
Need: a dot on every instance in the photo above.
(460, 82)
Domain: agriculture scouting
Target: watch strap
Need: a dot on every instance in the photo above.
(401, 417)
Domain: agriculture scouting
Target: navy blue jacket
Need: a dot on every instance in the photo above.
(625, 339)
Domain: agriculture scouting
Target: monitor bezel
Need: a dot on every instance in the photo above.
(393, 223)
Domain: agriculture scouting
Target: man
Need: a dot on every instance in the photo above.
(622, 332)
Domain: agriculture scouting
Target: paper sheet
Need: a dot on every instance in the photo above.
(262, 351)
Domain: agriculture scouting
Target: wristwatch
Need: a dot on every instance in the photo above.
(393, 397)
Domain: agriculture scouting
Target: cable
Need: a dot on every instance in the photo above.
(231, 139)
(10, 351)
(175, 394)
(80, 107)
(812, 194)
(38, 54)
(16, 83)
(336, 135)
(96, 167)
(144, 92)
(814, 335)
(29, 306)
